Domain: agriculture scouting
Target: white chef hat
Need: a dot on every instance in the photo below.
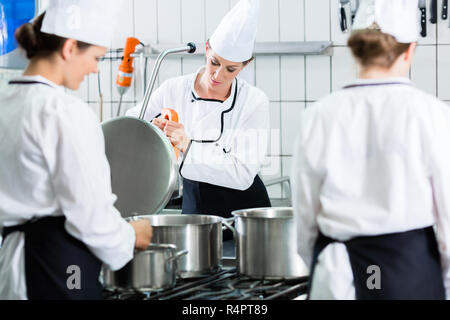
(234, 38)
(395, 17)
(90, 21)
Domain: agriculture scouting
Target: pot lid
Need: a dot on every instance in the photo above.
(178, 220)
(143, 165)
(265, 213)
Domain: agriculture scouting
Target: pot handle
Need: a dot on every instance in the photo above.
(177, 255)
(227, 225)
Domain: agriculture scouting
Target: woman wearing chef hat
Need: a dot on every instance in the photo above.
(56, 205)
(223, 121)
(371, 173)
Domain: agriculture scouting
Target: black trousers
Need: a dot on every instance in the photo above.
(54, 260)
(409, 265)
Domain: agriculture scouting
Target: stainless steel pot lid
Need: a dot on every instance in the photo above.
(265, 213)
(178, 220)
(143, 165)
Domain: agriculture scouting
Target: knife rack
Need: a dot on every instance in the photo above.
(261, 49)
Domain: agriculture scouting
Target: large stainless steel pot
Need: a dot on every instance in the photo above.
(152, 269)
(266, 244)
(200, 235)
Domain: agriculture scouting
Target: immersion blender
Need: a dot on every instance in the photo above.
(125, 74)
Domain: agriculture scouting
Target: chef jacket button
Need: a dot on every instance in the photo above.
(217, 144)
(192, 100)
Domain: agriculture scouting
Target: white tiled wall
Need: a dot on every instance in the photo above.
(291, 82)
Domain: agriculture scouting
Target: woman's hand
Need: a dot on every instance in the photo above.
(160, 122)
(144, 233)
(176, 134)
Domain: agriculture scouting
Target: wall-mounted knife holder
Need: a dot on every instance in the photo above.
(444, 13)
(347, 12)
(261, 49)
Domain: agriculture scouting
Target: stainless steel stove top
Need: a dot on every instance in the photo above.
(224, 285)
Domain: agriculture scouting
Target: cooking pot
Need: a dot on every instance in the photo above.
(152, 269)
(200, 235)
(266, 244)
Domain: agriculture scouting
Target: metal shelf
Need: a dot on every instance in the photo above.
(261, 49)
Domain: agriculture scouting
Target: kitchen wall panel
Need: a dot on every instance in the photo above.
(292, 82)
(269, 21)
(192, 64)
(146, 20)
(126, 28)
(317, 20)
(169, 21)
(274, 141)
(268, 76)
(271, 169)
(443, 69)
(423, 69)
(104, 68)
(290, 118)
(193, 20)
(291, 27)
(318, 77)
(343, 67)
(215, 10)
(170, 68)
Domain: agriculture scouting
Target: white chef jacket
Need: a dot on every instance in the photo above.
(370, 160)
(235, 159)
(53, 163)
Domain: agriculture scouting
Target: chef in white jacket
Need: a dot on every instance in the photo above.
(223, 121)
(371, 174)
(56, 205)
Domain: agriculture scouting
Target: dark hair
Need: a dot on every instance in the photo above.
(244, 62)
(40, 44)
(371, 47)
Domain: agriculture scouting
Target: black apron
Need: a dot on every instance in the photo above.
(409, 265)
(49, 253)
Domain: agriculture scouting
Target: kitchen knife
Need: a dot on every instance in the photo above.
(342, 15)
(354, 7)
(433, 12)
(423, 18)
(444, 9)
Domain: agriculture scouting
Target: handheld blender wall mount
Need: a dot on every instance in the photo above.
(125, 74)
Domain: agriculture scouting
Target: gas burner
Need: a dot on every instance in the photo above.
(224, 285)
